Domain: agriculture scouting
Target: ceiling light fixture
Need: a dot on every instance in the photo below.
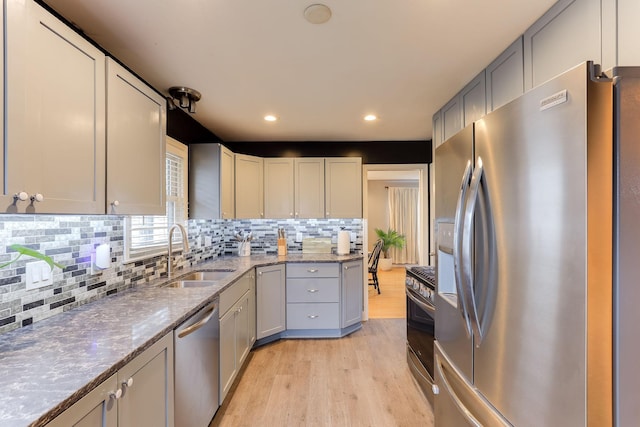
(370, 117)
(317, 13)
(183, 97)
(270, 118)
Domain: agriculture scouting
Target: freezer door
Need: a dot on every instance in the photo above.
(453, 168)
(457, 403)
(532, 362)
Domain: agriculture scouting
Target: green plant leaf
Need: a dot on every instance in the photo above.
(35, 254)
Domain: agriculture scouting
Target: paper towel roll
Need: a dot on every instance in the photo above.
(344, 243)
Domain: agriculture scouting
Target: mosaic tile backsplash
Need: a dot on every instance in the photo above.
(70, 240)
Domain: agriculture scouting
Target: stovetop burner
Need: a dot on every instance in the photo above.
(426, 274)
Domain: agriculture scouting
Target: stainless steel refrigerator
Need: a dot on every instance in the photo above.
(525, 229)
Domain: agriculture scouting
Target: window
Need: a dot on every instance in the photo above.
(146, 236)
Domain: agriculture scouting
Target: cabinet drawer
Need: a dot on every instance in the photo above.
(313, 316)
(232, 294)
(313, 270)
(313, 290)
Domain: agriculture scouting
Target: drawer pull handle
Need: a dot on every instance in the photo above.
(312, 316)
(312, 270)
(313, 291)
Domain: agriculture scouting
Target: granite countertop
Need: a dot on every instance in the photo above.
(49, 365)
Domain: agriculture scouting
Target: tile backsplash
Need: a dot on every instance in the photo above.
(70, 240)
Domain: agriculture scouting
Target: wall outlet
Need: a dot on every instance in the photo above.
(199, 241)
(38, 274)
(298, 237)
(207, 241)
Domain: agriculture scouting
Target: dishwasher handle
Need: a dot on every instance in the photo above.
(200, 323)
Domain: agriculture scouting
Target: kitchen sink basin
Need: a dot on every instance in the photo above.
(207, 275)
(191, 283)
(200, 279)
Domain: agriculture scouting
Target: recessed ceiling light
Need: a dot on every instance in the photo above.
(370, 117)
(317, 13)
(270, 118)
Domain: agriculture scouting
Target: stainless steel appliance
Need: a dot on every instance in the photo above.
(197, 356)
(420, 289)
(524, 302)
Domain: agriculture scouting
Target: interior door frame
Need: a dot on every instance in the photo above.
(424, 234)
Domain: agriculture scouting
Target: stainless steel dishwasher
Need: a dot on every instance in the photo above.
(197, 359)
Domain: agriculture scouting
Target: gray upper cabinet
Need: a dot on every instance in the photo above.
(136, 130)
(451, 116)
(211, 181)
(565, 36)
(436, 138)
(505, 76)
(628, 32)
(309, 187)
(249, 190)
(343, 187)
(227, 183)
(278, 187)
(473, 100)
(54, 135)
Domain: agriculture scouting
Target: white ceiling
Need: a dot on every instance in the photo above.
(400, 60)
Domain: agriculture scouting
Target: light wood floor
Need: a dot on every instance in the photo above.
(359, 380)
(391, 303)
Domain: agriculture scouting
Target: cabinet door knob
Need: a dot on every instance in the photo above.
(128, 383)
(115, 395)
(22, 196)
(327, 214)
(260, 273)
(37, 198)
(115, 203)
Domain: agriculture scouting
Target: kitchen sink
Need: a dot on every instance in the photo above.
(200, 279)
(208, 275)
(191, 283)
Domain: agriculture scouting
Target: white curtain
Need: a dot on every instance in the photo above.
(404, 211)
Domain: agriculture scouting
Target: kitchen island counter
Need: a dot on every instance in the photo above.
(47, 366)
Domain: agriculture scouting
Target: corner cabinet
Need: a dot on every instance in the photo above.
(211, 182)
(139, 394)
(237, 328)
(54, 136)
(324, 300)
(270, 300)
(136, 129)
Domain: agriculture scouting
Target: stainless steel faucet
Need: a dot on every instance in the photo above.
(185, 245)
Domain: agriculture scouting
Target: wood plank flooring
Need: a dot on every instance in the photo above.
(391, 302)
(360, 380)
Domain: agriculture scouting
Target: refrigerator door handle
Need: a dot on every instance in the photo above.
(467, 250)
(454, 397)
(458, 224)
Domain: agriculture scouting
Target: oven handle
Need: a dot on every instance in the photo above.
(425, 305)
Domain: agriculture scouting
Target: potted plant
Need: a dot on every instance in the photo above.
(390, 239)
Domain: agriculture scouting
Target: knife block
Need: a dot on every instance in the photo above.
(282, 246)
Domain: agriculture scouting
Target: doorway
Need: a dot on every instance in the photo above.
(376, 215)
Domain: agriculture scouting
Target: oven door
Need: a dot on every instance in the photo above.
(420, 340)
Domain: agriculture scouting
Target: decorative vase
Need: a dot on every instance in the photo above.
(384, 264)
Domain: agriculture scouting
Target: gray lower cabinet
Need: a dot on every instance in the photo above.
(237, 329)
(352, 293)
(139, 394)
(324, 299)
(270, 300)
